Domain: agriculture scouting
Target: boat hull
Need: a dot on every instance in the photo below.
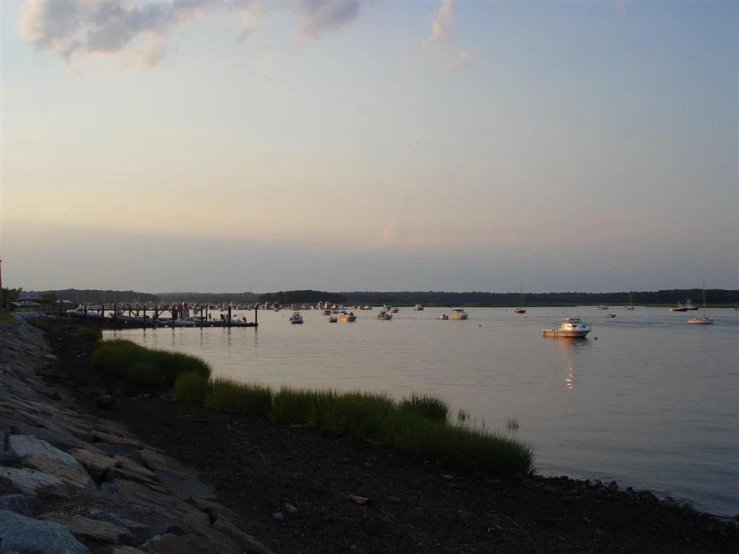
(566, 334)
(700, 321)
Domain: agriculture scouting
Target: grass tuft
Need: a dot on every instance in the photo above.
(5, 317)
(431, 407)
(89, 334)
(42, 324)
(191, 388)
(242, 398)
(128, 363)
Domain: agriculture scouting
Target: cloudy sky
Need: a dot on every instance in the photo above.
(241, 145)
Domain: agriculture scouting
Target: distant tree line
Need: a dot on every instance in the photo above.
(303, 297)
(667, 297)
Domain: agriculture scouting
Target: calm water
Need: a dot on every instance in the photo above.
(652, 403)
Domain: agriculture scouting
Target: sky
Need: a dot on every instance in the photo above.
(350, 145)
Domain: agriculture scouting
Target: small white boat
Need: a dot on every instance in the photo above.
(601, 307)
(571, 328)
(611, 315)
(702, 320)
(348, 317)
(296, 318)
(459, 313)
(394, 310)
(443, 317)
(418, 308)
(689, 306)
(385, 316)
(630, 307)
(333, 319)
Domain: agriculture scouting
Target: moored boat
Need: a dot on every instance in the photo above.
(679, 308)
(296, 318)
(459, 313)
(385, 316)
(570, 328)
(703, 319)
(418, 308)
(443, 317)
(347, 317)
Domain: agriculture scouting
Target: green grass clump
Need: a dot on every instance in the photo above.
(88, 334)
(126, 362)
(5, 317)
(430, 407)
(191, 388)
(42, 324)
(144, 374)
(243, 398)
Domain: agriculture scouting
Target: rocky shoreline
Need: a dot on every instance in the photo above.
(75, 482)
(296, 489)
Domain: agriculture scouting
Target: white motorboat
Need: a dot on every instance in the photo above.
(702, 320)
(571, 328)
(332, 319)
(418, 308)
(385, 316)
(459, 313)
(611, 315)
(443, 317)
(689, 306)
(601, 307)
(630, 307)
(296, 318)
(679, 308)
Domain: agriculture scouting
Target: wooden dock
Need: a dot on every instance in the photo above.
(127, 316)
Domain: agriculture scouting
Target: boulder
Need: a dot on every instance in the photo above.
(92, 529)
(25, 534)
(31, 482)
(95, 463)
(20, 504)
(28, 445)
(65, 473)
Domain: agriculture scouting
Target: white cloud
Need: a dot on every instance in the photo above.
(452, 57)
(442, 23)
(319, 16)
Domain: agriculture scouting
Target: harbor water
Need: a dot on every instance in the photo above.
(646, 400)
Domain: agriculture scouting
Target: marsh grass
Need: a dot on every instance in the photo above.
(191, 388)
(43, 324)
(243, 398)
(418, 427)
(430, 407)
(128, 363)
(89, 334)
(6, 317)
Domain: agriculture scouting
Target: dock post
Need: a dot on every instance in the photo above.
(144, 316)
(256, 315)
(229, 315)
(115, 314)
(84, 313)
(201, 315)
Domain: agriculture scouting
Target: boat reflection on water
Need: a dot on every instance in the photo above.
(570, 350)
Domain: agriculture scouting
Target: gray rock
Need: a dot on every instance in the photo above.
(186, 486)
(290, 508)
(25, 534)
(141, 533)
(30, 482)
(105, 402)
(92, 529)
(20, 504)
(278, 516)
(68, 475)
(97, 464)
(171, 507)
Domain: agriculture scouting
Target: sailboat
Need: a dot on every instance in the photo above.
(630, 307)
(702, 320)
(520, 309)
